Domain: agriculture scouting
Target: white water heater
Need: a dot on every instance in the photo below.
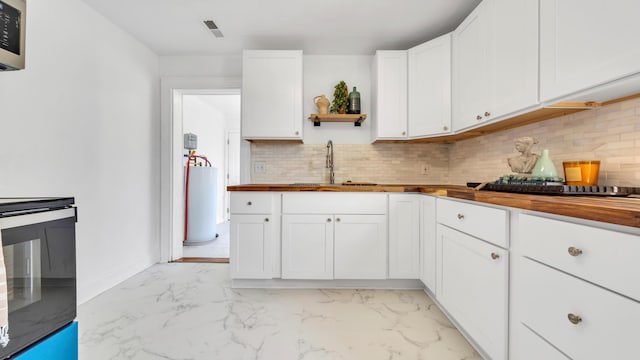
(201, 205)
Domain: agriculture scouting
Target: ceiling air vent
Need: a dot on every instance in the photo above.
(214, 28)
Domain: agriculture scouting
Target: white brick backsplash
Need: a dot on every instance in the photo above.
(610, 134)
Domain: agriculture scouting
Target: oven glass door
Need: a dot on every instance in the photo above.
(41, 276)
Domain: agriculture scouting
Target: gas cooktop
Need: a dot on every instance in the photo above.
(560, 189)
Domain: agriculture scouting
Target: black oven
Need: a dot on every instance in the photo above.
(40, 261)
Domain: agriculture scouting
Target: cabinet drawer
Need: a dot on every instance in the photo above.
(532, 347)
(251, 202)
(608, 326)
(605, 257)
(486, 223)
(334, 203)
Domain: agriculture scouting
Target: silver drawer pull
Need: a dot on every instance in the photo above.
(266, 219)
(495, 256)
(338, 220)
(575, 319)
(329, 220)
(574, 251)
(486, 113)
(460, 216)
(249, 203)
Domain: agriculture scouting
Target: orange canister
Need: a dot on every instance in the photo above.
(583, 172)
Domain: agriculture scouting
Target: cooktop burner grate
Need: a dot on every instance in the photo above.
(548, 189)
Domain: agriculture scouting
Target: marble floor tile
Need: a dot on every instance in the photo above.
(188, 311)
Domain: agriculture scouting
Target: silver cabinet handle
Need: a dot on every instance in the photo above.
(574, 319)
(460, 216)
(249, 203)
(486, 113)
(478, 117)
(337, 219)
(404, 133)
(297, 132)
(445, 128)
(266, 219)
(495, 256)
(329, 220)
(573, 251)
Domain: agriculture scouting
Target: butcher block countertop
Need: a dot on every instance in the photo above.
(614, 210)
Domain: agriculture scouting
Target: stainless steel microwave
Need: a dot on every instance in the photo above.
(12, 34)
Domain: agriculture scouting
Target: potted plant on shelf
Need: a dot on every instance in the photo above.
(340, 98)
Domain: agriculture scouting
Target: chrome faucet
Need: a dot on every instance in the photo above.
(332, 176)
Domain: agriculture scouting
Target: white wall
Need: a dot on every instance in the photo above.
(321, 74)
(211, 66)
(82, 121)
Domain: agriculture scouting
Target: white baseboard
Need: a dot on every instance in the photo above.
(87, 291)
(327, 284)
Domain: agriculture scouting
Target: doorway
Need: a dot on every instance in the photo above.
(176, 94)
(215, 119)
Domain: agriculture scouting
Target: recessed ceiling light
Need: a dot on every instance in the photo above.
(214, 28)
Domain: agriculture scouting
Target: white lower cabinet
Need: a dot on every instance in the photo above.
(586, 322)
(473, 288)
(307, 246)
(428, 242)
(334, 236)
(577, 288)
(325, 247)
(532, 347)
(360, 247)
(250, 248)
(254, 235)
(404, 236)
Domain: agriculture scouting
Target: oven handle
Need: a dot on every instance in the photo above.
(29, 219)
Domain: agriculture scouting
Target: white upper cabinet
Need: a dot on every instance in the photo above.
(586, 43)
(430, 88)
(389, 84)
(272, 94)
(514, 56)
(495, 62)
(470, 69)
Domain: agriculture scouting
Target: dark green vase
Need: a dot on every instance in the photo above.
(354, 102)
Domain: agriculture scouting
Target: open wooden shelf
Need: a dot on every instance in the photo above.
(356, 119)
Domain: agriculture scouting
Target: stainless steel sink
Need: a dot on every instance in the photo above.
(360, 183)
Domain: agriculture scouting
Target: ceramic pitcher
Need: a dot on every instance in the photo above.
(322, 103)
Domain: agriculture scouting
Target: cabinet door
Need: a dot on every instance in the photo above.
(272, 95)
(584, 43)
(430, 87)
(404, 236)
(360, 247)
(390, 99)
(514, 56)
(472, 287)
(251, 252)
(470, 75)
(428, 242)
(307, 247)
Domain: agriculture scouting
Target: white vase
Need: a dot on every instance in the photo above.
(544, 168)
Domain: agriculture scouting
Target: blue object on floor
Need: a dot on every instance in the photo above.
(61, 345)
